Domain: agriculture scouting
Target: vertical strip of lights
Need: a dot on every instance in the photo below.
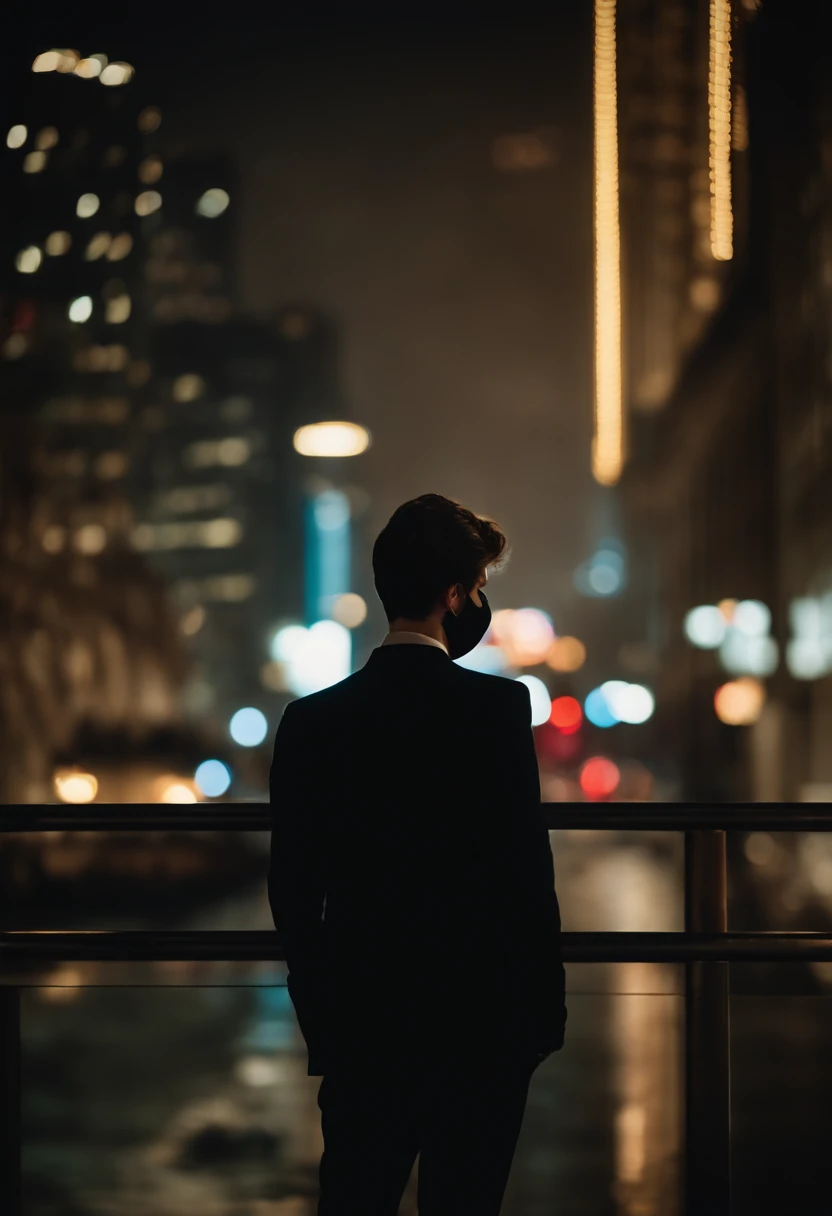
(719, 103)
(607, 442)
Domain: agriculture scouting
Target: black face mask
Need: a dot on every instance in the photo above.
(465, 631)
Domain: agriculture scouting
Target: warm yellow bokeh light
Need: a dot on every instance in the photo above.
(719, 104)
(331, 439)
(350, 610)
(740, 702)
(74, 785)
(566, 654)
(177, 792)
(608, 438)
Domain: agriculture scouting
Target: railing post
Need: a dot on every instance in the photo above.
(708, 1051)
(10, 1126)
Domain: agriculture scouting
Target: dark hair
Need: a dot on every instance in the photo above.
(428, 545)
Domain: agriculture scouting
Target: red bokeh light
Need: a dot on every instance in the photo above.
(566, 715)
(599, 777)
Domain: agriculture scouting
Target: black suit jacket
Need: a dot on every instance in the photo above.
(411, 878)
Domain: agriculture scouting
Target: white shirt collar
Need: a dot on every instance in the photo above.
(405, 636)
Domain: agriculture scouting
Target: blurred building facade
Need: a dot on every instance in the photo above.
(88, 642)
(727, 485)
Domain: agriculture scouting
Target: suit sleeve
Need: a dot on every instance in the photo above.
(538, 925)
(297, 873)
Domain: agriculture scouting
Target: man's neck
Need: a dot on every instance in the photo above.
(431, 627)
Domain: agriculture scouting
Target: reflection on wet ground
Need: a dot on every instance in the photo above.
(183, 1099)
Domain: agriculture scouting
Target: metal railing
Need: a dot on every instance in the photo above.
(706, 948)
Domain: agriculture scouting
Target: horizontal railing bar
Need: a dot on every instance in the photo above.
(18, 948)
(256, 817)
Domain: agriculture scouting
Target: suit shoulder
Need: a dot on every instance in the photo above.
(499, 688)
(325, 698)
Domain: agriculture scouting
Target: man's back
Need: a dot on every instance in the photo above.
(408, 797)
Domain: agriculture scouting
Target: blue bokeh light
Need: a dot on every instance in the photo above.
(213, 778)
(248, 727)
(598, 711)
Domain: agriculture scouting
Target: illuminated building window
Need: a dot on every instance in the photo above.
(150, 170)
(704, 294)
(183, 499)
(212, 203)
(56, 61)
(110, 411)
(220, 533)
(116, 73)
(117, 310)
(188, 387)
(148, 202)
(15, 346)
(87, 206)
(111, 465)
(54, 538)
(608, 439)
(120, 246)
(101, 358)
(28, 260)
(80, 309)
(57, 243)
(90, 539)
(34, 162)
(97, 247)
(739, 122)
(16, 137)
(719, 99)
(113, 156)
(150, 119)
(206, 453)
(229, 588)
(89, 69)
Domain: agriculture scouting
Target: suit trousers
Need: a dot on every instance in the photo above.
(462, 1119)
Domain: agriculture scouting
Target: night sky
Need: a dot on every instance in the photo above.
(363, 148)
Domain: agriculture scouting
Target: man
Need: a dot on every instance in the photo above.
(412, 887)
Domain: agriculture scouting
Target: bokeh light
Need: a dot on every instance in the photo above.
(598, 711)
(116, 73)
(349, 610)
(80, 309)
(248, 727)
(740, 702)
(28, 260)
(631, 703)
(147, 202)
(540, 699)
(566, 715)
(317, 657)
(74, 785)
(287, 643)
(599, 777)
(212, 203)
(16, 136)
(87, 206)
(566, 654)
(752, 617)
(213, 778)
(705, 627)
(177, 791)
(331, 439)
